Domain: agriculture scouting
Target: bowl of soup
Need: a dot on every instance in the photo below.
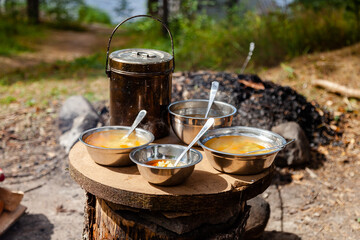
(187, 117)
(232, 149)
(107, 145)
(156, 163)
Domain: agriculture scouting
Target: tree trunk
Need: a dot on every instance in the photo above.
(165, 16)
(152, 7)
(33, 11)
(357, 16)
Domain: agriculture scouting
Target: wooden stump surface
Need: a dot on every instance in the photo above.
(205, 189)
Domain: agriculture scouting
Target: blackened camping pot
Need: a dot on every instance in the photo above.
(140, 79)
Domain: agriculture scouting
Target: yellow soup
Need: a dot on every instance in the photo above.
(236, 144)
(163, 163)
(113, 139)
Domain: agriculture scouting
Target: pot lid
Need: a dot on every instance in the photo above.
(139, 61)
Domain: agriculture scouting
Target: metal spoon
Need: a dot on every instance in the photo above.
(213, 91)
(207, 125)
(138, 119)
(270, 148)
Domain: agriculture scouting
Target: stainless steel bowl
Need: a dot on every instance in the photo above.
(187, 117)
(165, 176)
(115, 157)
(243, 164)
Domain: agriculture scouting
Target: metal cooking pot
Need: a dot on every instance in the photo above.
(140, 79)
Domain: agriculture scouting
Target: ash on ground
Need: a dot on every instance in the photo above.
(261, 104)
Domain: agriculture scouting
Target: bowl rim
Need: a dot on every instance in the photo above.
(132, 153)
(213, 131)
(201, 100)
(98, 129)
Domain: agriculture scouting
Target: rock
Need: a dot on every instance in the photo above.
(73, 107)
(76, 116)
(258, 218)
(296, 153)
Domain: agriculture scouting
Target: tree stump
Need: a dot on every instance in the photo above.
(121, 204)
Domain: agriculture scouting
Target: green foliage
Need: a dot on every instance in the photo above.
(62, 10)
(30, 103)
(320, 4)
(16, 36)
(202, 42)
(88, 14)
(71, 14)
(91, 96)
(289, 70)
(8, 100)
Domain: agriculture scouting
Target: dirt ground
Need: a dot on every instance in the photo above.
(317, 201)
(322, 199)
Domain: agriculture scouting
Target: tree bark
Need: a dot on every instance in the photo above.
(112, 221)
(33, 11)
(152, 7)
(165, 16)
(357, 17)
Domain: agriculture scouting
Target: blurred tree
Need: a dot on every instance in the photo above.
(124, 9)
(160, 9)
(352, 6)
(33, 11)
(165, 15)
(152, 7)
(319, 4)
(62, 11)
(11, 9)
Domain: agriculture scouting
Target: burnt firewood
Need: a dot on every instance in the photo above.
(261, 104)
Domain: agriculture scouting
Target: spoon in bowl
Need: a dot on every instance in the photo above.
(271, 148)
(203, 130)
(213, 91)
(136, 122)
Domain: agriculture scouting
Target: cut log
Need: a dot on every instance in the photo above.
(115, 224)
(205, 189)
(11, 199)
(337, 88)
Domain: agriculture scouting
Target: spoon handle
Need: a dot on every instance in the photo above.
(213, 91)
(138, 119)
(271, 148)
(207, 125)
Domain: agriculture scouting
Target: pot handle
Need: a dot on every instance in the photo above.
(107, 71)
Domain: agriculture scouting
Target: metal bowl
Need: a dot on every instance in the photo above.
(165, 176)
(186, 126)
(243, 164)
(114, 157)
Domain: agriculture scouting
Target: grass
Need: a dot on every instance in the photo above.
(80, 68)
(49, 84)
(49, 93)
(17, 37)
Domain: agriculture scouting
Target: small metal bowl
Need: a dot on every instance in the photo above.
(165, 176)
(115, 157)
(186, 126)
(242, 164)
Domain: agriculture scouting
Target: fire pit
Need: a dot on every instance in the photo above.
(261, 104)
